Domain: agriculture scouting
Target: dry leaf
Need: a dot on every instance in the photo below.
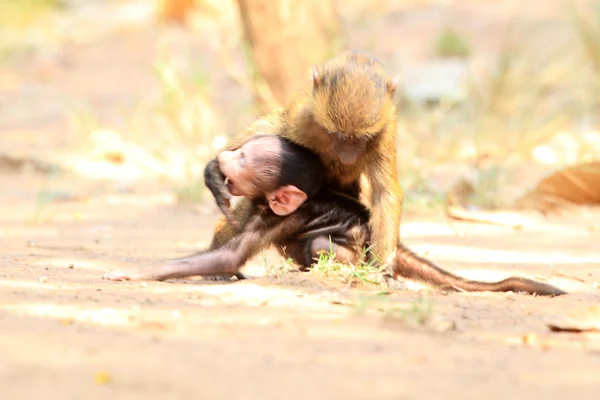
(587, 320)
(575, 185)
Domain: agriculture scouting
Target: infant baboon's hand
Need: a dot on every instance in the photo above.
(215, 181)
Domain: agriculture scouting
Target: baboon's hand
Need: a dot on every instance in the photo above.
(215, 181)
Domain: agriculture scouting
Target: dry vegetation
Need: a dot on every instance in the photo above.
(110, 109)
(514, 103)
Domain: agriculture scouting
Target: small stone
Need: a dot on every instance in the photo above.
(530, 339)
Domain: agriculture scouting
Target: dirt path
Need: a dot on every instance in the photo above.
(67, 332)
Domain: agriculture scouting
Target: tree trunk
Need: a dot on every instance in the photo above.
(286, 38)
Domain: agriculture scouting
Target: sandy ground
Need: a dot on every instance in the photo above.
(67, 333)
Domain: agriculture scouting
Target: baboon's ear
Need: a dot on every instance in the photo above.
(392, 84)
(286, 200)
(317, 79)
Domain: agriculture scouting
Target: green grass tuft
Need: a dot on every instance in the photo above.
(365, 272)
(450, 44)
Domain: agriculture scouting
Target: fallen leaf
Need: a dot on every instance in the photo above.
(575, 185)
(587, 320)
(102, 377)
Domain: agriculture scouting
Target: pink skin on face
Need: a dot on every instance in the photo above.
(236, 165)
(239, 168)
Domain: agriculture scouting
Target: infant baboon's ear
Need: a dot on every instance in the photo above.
(286, 200)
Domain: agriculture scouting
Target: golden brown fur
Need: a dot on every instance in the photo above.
(352, 101)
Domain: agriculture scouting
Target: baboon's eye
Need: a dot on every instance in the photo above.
(242, 160)
(345, 138)
(338, 136)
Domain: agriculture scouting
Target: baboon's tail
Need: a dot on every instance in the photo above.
(411, 266)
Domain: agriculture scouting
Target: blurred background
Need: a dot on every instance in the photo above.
(498, 102)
